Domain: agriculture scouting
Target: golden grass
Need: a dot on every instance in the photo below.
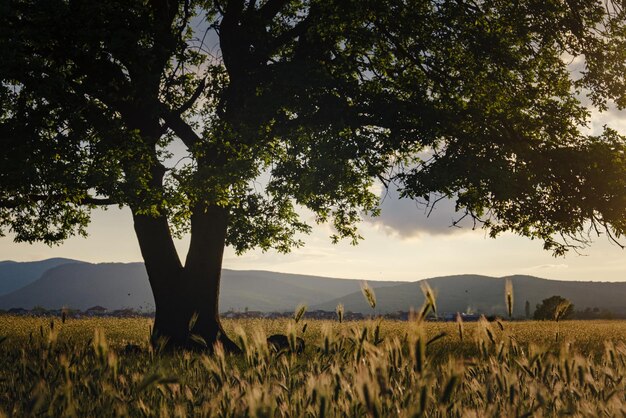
(367, 368)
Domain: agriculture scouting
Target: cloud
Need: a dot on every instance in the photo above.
(407, 218)
(613, 118)
(544, 267)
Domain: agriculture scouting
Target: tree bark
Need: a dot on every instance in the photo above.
(186, 298)
(203, 271)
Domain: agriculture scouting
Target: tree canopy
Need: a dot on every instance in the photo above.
(474, 103)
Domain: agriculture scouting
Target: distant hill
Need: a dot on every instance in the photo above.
(14, 275)
(116, 285)
(486, 295)
(85, 285)
(269, 291)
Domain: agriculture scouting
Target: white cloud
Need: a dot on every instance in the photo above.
(408, 218)
(547, 267)
(613, 118)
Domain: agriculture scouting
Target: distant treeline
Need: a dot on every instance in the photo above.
(585, 314)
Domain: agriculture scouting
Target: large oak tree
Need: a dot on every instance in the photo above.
(465, 99)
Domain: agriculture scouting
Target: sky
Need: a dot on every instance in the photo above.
(402, 244)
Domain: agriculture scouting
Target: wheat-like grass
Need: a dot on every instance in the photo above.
(340, 311)
(429, 295)
(299, 312)
(368, 294)
(508, 295)
(368, 368)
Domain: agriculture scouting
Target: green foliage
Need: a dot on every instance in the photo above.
(307, 104)
(554, 308)
(84, 367)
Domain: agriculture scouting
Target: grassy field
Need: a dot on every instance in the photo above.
(83, 367)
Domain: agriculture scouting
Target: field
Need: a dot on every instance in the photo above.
(105, 367)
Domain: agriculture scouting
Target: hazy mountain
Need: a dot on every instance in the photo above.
(270, 291)
(115, 285)
(486, 295)
(85, 285)
(14, 275)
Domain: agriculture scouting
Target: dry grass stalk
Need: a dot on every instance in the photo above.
(429, 295)
(508, 291)
(369, 294)
(561, 309)
(459, 322)
(339, 311)
(299, 313)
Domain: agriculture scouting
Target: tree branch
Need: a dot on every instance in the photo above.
(428, 71)
(234, 9)
(175, 122)
(298, 30)
(251, 6)
(219, 7)
(184, 20)
(87, 200)
(190, 102)
(271, 8)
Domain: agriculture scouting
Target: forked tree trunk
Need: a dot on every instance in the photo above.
(186, 297)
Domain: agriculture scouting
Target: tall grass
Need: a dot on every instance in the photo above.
(508, 296)
(339, 310)
(368, 294)
(367, 368)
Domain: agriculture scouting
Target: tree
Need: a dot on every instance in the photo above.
(321, 99)
(554, 308)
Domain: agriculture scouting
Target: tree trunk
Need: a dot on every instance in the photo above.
(186, 298)
(203, 271)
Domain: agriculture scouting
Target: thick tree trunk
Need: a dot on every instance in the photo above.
(186, 298)
(203, 271)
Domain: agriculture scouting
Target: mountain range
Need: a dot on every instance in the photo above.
(14, 275)
(55, 283)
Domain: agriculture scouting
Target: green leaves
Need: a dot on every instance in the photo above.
(265, 222)
(307, 104)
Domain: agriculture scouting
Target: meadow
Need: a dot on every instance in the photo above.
(106, 367)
